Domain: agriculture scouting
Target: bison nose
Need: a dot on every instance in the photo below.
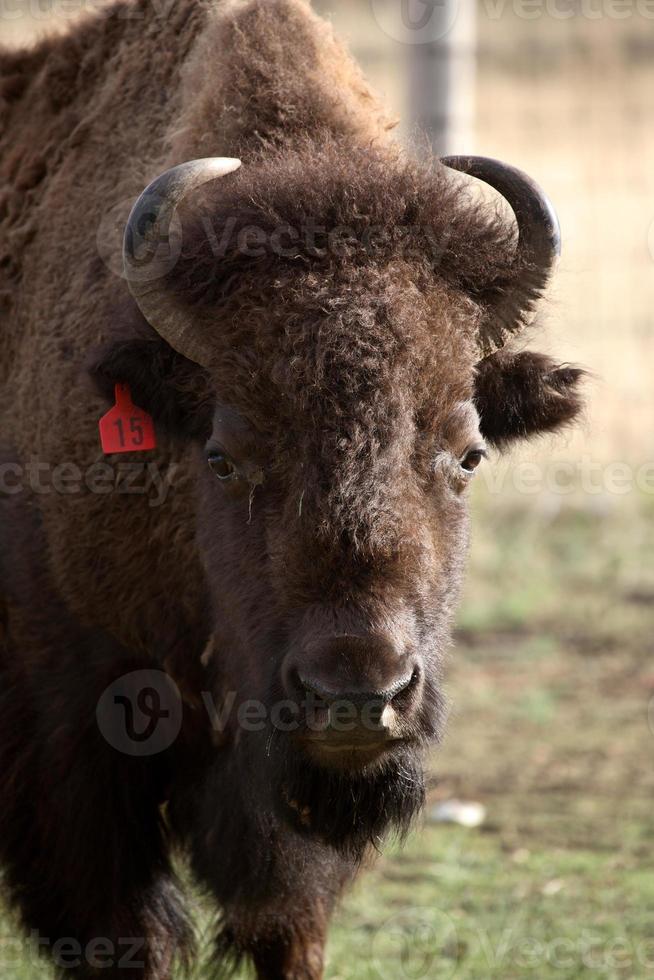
(356, 697)
(366, 680)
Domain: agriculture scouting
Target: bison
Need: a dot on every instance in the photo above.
(245, 666)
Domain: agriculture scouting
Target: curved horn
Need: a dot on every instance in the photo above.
(152, 245)
(539, 241)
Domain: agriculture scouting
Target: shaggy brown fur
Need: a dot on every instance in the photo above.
(345, 371)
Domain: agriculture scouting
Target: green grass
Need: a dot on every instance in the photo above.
(499, 905)
(550, 682)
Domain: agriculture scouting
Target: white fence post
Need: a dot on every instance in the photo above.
(421, 54)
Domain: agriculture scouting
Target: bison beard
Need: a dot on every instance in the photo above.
(348, 811)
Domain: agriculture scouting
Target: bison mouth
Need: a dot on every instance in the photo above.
(348, 752)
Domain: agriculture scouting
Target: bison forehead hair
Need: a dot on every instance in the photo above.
(349, 232)
(336, 287)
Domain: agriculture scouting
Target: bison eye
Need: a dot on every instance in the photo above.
(222, 465)
(472, 459)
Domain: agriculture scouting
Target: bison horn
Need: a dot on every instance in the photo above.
(539, 245)
(151, 247)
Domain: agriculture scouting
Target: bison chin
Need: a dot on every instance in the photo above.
(349, 810)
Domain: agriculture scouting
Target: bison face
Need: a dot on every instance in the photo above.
(333, 528)
(329, 342)
(334, 532)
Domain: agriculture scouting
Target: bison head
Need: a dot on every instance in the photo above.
(326, 330)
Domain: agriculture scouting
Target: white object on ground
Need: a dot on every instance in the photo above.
(456, 811)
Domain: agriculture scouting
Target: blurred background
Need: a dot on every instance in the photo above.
(550, 752)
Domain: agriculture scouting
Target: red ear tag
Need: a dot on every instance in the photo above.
(126, 428)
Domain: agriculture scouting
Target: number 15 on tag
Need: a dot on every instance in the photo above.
(126, 428)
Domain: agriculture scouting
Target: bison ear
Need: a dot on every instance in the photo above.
(520, 395)
(175, 391)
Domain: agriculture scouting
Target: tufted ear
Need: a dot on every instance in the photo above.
(520, 395)
(176, 392)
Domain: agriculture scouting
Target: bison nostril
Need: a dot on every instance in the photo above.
(403, 693)
(402, 686)
(360, 698)
(314, 687)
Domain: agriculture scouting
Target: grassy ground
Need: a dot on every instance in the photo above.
(550, 684)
